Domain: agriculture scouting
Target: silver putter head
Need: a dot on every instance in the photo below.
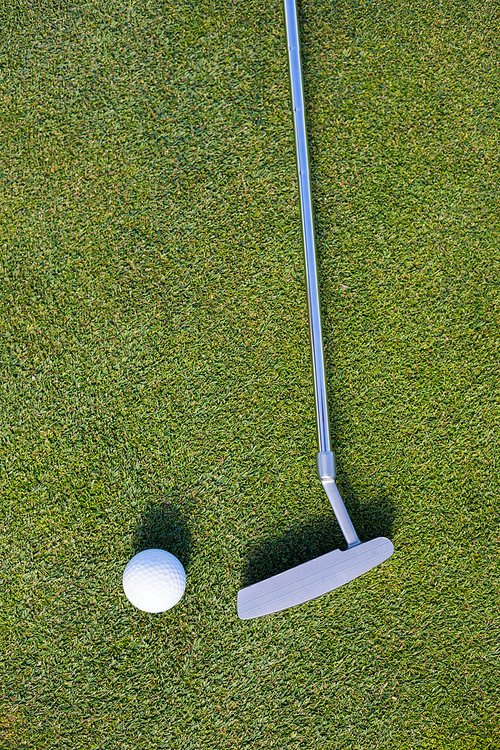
(311, 579)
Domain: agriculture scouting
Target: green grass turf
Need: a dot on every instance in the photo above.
(156, 381)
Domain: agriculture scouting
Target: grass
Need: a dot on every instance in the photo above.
(156, 381)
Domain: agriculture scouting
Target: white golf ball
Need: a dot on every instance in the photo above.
(154, 580)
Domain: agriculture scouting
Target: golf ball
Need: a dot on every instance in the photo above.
(154, 580)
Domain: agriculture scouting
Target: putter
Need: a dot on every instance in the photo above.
(327, 572)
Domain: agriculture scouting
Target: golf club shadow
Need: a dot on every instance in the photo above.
(162, 526)
(268, 557)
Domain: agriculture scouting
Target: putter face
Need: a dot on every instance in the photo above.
(311, 579)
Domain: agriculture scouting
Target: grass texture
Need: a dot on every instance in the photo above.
(156, 385)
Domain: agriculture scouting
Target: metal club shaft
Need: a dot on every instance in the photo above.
(325, 460)
(292, 32)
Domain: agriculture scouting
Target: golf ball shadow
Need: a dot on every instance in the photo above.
(154, 580)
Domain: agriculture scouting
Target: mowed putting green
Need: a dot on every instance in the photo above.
(156, 387)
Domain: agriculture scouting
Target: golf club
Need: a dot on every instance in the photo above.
(327, 572)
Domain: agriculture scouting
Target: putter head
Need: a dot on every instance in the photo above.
(311, 579)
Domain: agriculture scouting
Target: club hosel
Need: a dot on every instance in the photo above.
(325, 464)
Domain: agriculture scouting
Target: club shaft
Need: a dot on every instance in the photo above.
(295, 69)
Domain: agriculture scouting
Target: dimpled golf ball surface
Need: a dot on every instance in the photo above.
(154, 580)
